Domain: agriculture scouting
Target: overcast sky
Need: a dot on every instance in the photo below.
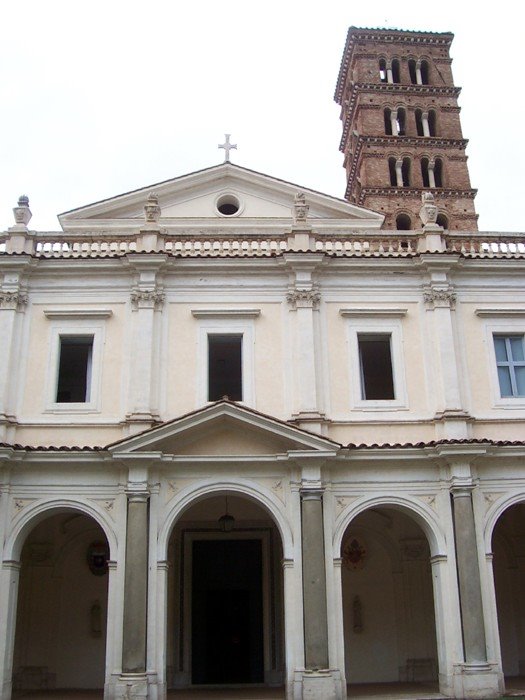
(102, 97)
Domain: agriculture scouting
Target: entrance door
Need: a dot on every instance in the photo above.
(227, 612)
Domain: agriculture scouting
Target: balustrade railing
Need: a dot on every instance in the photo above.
(352, 244)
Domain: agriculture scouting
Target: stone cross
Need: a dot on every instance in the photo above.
(227, 147)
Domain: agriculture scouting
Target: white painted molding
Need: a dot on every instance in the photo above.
(77, 313)
(499, 312)
(360, 313)
(225, 313)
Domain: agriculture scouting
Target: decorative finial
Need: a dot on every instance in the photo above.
(227, 147)
(152, 209)
(22, 212)
(428, 212)
(300, 208)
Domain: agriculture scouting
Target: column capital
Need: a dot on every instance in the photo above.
(311, 492)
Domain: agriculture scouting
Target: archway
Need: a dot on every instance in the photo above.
(60, 637)
(388, 604)
(508, 547)
(225, 597)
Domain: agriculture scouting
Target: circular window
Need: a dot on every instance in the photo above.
(228, 205)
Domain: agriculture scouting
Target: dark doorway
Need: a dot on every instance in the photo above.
(227, 612)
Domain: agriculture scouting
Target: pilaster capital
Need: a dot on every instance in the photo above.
(311, 492)
(303, 298)
(440, 297)
(147, 299)
(13, 300)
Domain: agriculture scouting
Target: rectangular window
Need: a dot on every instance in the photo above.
(375, 360)
(510, 360)
(74, 369)
(224, 367)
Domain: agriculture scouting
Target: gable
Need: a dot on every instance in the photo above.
(194, 198)
(224, 428)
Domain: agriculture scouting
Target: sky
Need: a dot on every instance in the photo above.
(102, 97)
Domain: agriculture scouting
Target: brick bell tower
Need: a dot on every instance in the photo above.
(401, 127)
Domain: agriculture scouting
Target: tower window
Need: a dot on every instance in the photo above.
(388, 121)
(432, 122)
(442, 220)
(396, 74)
(392, 171)
(225, 367)
(419, 122)
(74, 369)
(412, 71)
(405, 172)
(375, 358)
(403, 222)
(401, 121)
(424, 72)
(425, 172)
(438, 172)
(383, 76)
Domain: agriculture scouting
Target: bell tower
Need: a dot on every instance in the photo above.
(401, 127)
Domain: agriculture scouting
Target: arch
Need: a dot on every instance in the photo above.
(425, 176)
(401, 120)
(495, 512)
(442, 220)
(403, 222)
(438, 172)
(392, 171)
(405, 171)
(34, 513)
(194, 493)
(422, 514)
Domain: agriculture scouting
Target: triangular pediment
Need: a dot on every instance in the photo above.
(224, 429)
(196, 196)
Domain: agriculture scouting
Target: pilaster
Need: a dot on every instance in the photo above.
(147, 300)
(439, 298)
(304, 298)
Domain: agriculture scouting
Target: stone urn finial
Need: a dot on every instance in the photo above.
(428, 212)
(152, 209)
(300, 208)
(22, 211)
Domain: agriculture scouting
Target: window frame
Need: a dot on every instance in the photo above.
(227, 326)
(80, 328)
(386, 326)
(506, 326)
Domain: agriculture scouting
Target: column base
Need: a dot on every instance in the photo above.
(318, 685)
(477, 680)
(131, 686)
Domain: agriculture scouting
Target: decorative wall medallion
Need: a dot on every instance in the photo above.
(354, 553)
(20, 503)
(97, 558)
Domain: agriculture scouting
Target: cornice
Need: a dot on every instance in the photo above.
(416, 192)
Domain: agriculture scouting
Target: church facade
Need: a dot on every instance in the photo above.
(256, 436)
